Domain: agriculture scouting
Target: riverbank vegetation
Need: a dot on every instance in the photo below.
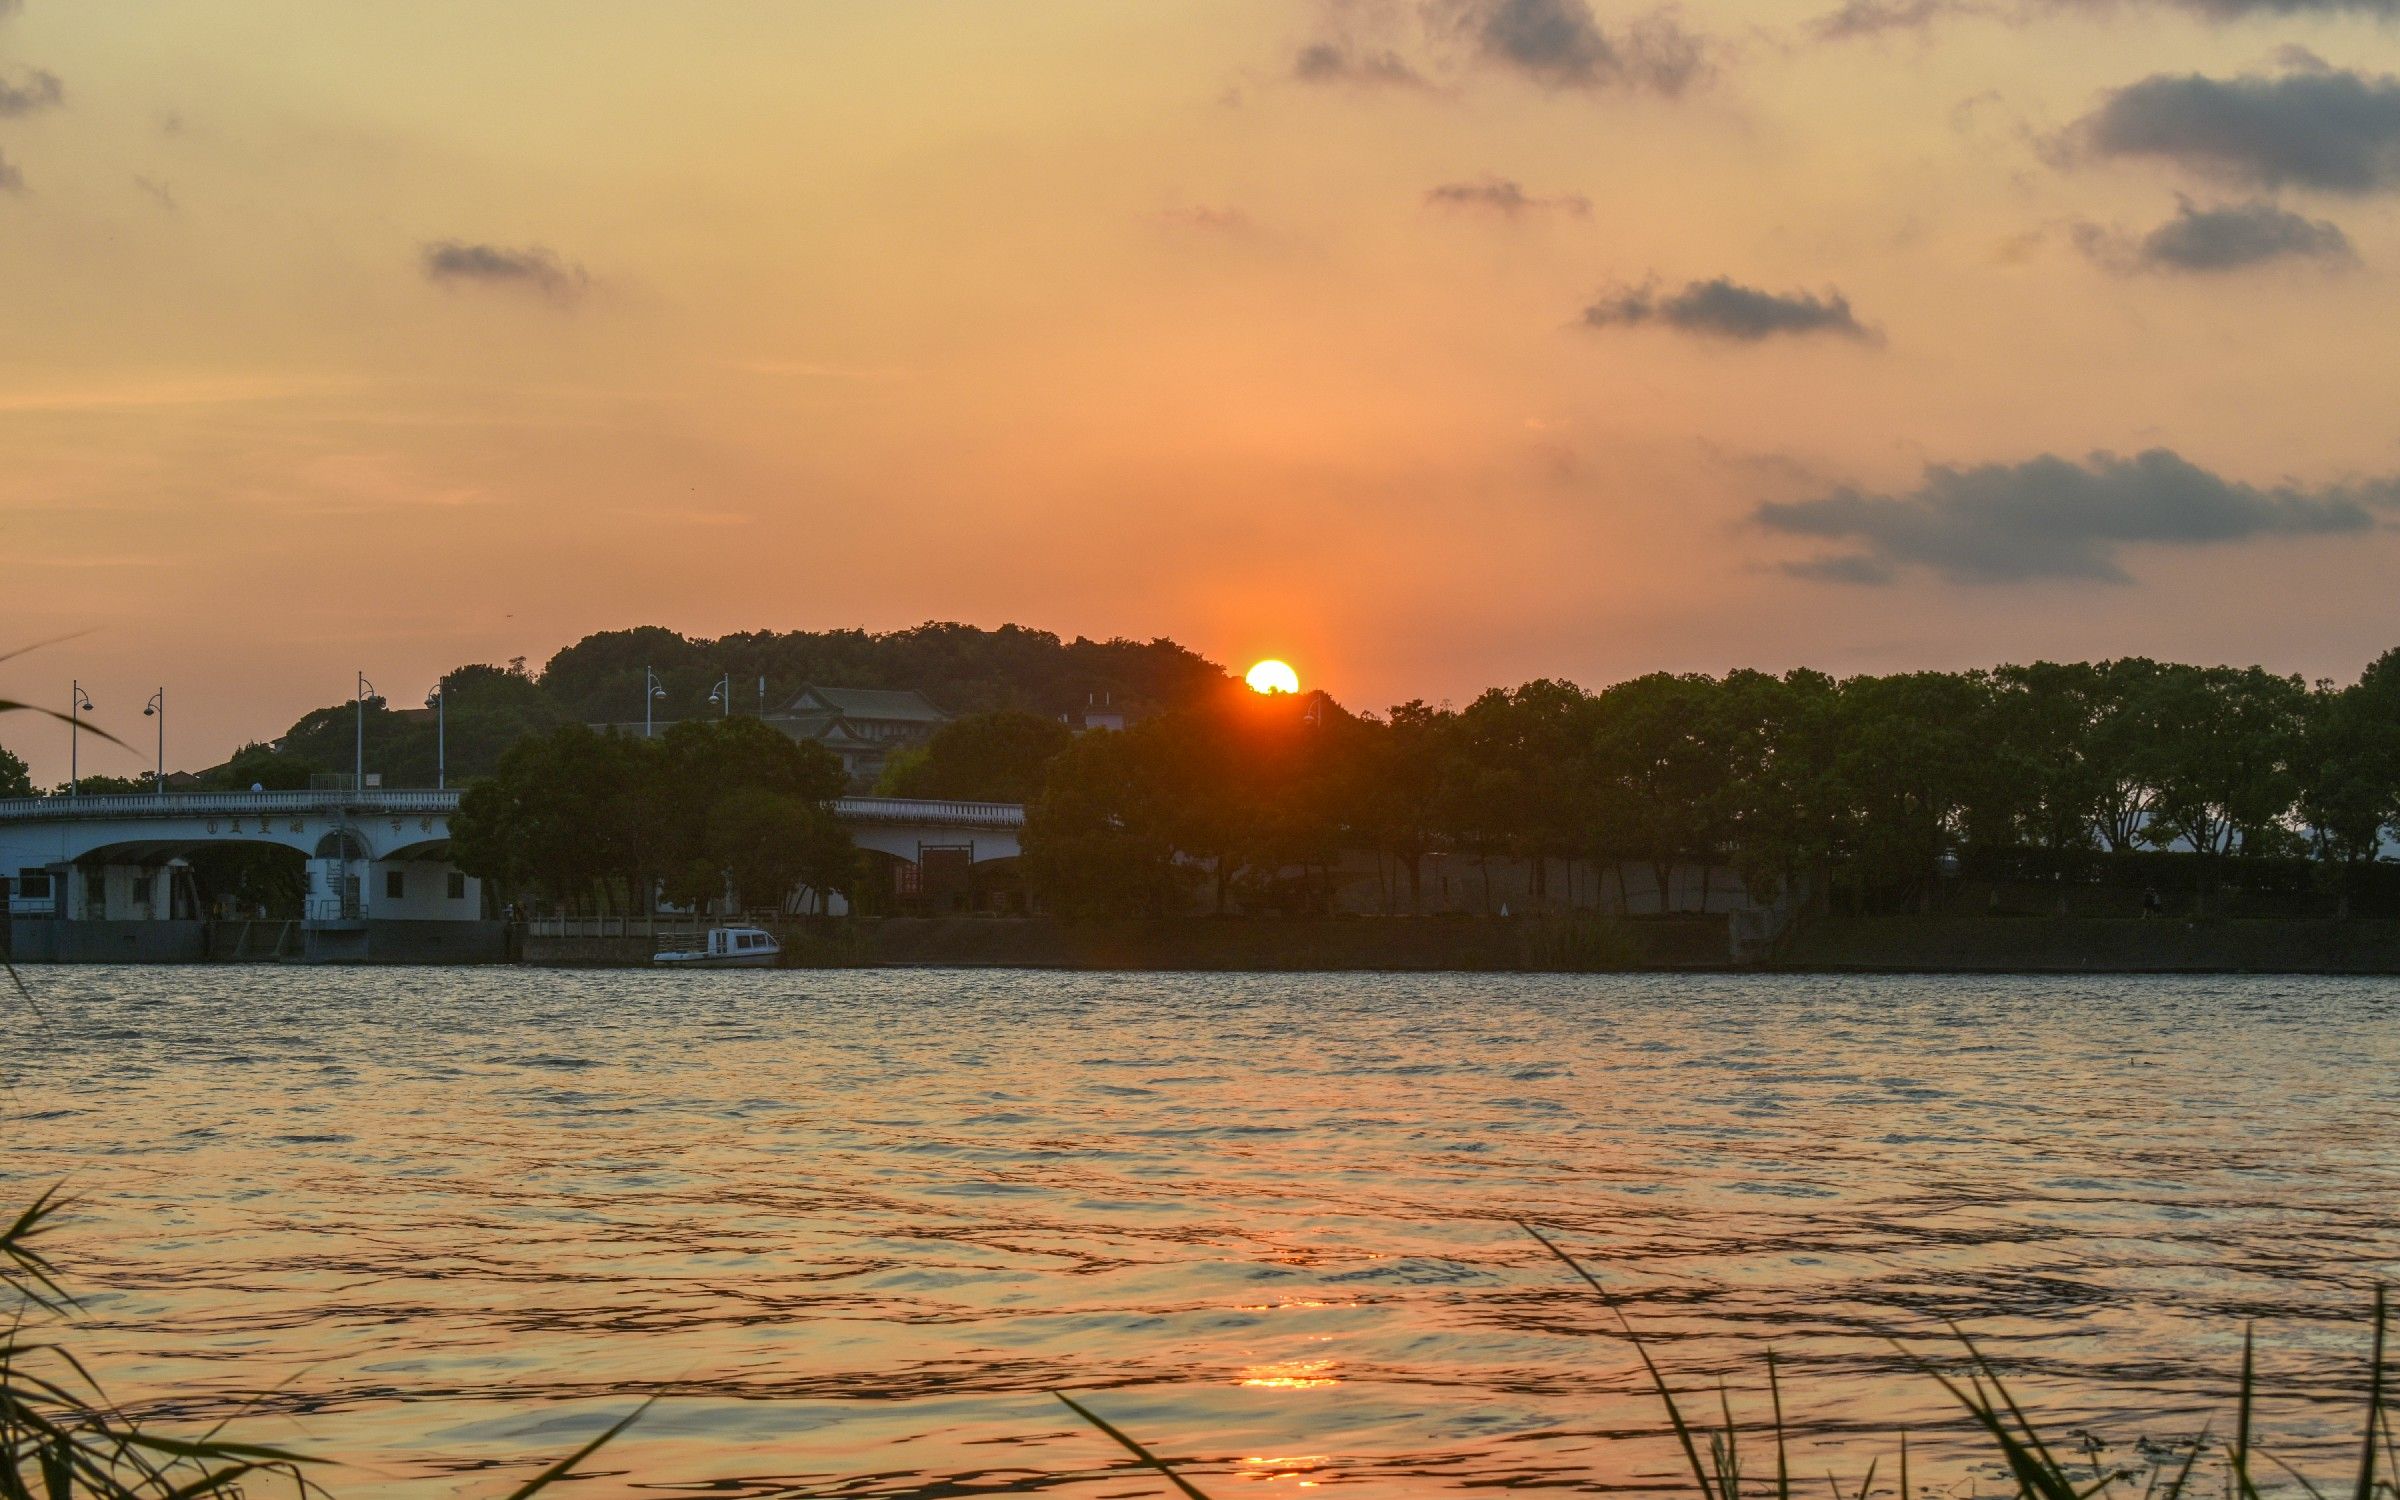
(1869, 788)
(1867, 791)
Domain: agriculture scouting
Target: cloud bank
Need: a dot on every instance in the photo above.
(1725, 309)
(1870, 18)
(1505, 197)
(2328, 129)
(2051, 517)
(532, 269)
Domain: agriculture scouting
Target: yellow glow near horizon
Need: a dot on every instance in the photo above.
(1272, 676)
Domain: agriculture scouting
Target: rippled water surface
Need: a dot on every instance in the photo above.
(853, 1226)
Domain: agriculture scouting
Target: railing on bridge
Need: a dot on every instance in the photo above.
(374, 800)
(929, 810)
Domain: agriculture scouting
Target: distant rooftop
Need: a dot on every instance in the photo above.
(903, 705)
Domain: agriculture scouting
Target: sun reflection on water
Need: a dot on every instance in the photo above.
(1305, 1470)
(1292, 1374)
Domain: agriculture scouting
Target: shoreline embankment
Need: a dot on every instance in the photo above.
(1827, 944)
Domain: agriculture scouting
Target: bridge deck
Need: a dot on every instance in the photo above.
(418, 802)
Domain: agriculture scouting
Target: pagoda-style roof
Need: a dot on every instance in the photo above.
(885, 705)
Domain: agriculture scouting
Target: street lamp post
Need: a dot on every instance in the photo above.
(652, 691)
(439, 702)
(77, 702)
(358, 782)
(722, 695)
(157, 709)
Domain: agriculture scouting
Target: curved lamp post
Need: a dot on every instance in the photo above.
(77, 702)
(439, 702)
(157, 709)
(358, 784)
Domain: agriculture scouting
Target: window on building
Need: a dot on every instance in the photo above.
(458, 886)
(395, 884)
(33, 885)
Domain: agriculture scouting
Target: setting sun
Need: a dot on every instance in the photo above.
(1272, 676)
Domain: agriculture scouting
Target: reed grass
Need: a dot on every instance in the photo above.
(1714, 1455)
(61, 1438)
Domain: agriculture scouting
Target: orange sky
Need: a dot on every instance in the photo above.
(402, 335)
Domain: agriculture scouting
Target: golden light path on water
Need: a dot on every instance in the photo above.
(853, 1227)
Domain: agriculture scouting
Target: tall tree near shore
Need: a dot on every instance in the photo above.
(1102, 839)
(2223, 759)
(992, 757)
(1909, 761)
(2348, 763)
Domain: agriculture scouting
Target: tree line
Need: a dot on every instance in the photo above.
(1868, 787)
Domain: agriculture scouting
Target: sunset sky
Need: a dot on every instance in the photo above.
(1428, 345)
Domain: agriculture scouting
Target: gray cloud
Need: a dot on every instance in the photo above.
(1558, 44)
(38, 90)
(2231, 10)
(2232, 236)
(1723, 308)
(1865, 18)
(11, 180)
(1505, 197)
(2050, 517)
(532, 269)
(2333, 130)
(1341, 62)
(1869, 18)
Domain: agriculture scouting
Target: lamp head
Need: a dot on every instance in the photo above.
(147, 712)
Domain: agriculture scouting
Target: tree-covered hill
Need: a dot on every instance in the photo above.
(964, 669)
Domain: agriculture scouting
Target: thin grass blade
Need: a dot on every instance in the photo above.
(11, 706)
(1129, 1445)
(2366, 1453)
(1683, 1430)
(566, 1466)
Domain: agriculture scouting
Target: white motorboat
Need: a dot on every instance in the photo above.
(727, 948)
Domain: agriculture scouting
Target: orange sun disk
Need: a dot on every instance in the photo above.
(1272, 676)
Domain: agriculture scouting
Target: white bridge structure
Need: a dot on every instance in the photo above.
(110, 877)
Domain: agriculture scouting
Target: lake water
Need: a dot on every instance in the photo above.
(853, 1226)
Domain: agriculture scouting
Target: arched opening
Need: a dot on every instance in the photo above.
(186, 881)
(341, 843)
